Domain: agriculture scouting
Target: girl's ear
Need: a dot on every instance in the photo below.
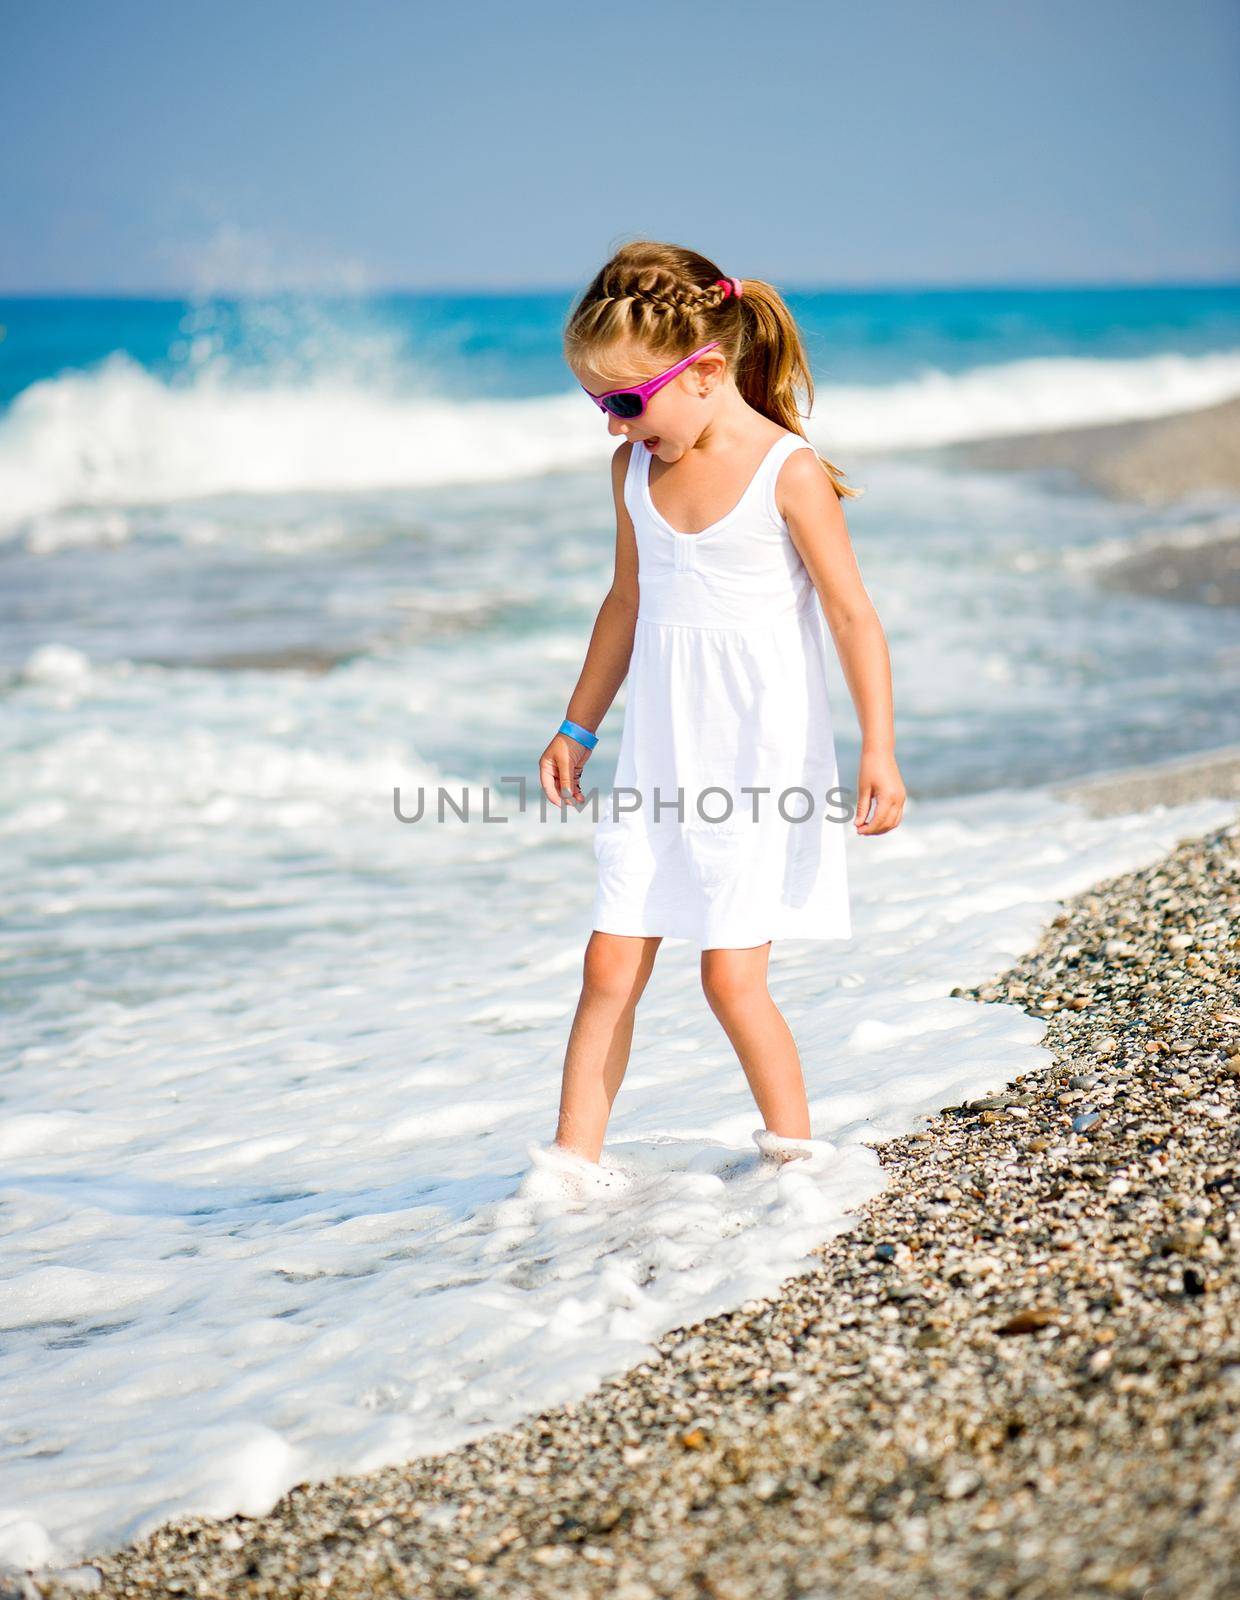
(708, 372)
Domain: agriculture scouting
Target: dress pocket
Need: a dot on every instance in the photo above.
(607, 841)
(723, 854)
(805, 859)
(620, 848)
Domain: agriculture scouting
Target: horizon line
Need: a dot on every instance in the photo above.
(522, 291)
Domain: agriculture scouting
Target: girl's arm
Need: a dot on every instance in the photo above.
(816, 523)
(607, 658)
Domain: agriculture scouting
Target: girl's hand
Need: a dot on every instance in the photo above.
(559, 768)
(878, 780)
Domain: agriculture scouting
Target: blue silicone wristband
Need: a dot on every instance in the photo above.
(574, 730)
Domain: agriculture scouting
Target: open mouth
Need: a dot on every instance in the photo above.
(650, 443)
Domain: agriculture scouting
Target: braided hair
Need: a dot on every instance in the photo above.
(653, 303)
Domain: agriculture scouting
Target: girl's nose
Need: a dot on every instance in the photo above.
(615, 426)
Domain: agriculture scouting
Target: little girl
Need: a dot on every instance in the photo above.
(729, 531)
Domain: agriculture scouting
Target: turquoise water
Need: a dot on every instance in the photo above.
(507, 346)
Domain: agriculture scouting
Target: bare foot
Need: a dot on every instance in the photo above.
(778, 1148)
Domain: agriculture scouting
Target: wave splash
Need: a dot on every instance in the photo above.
(117, 434)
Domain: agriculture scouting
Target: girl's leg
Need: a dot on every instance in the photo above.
(614, 973)
(734, 982)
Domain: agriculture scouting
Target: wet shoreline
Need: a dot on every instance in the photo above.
(1190, 458)
(1019, 1372)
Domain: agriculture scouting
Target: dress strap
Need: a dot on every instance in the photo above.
(780, 451)
(632, 481)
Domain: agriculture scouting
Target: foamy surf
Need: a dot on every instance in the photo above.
(118, 435)
(300, 1231)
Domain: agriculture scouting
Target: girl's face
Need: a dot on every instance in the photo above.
(675, 416)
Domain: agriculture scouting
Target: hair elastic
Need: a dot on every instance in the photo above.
(734, 286)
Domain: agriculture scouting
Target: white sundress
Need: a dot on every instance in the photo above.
(727, 693)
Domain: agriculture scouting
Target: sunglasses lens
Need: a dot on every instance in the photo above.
(624, 405)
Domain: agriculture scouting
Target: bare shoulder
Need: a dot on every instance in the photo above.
(803, 487)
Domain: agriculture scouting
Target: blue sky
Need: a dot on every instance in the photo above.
(184, 145)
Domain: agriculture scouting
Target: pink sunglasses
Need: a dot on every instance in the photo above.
(630, 403)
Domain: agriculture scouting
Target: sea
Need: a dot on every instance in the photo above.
(294, 591)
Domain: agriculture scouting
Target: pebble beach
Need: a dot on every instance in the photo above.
(1019, 1374)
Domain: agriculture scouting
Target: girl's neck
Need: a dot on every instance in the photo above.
(732, 428)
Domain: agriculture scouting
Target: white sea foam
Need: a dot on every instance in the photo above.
(276, 1201)
(117, 435)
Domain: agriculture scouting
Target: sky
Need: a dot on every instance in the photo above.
(187, 146)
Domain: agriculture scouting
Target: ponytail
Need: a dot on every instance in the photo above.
(670, 300)
(773, 367)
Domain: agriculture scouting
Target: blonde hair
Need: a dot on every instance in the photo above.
(666, 300)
